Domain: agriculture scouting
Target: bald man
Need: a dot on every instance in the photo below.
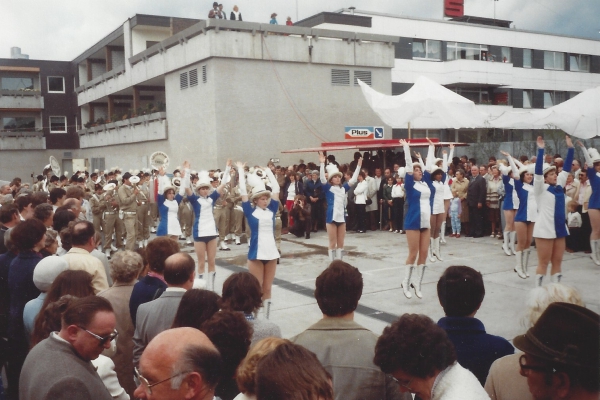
(179, 363)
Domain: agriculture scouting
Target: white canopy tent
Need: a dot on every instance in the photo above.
(426, 105)
(579, 116)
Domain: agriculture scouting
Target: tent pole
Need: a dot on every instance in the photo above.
(409, 130)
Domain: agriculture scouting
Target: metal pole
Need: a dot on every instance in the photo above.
(409, 130)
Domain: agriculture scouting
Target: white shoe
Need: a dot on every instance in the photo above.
(107, 253)
(153, 230)
(556, 277)
(141, 244)
(436, 249)
(513, 239)
(526, 261)
(416, 283)
(505, 245)
(224, 246)
(405, 285)
(113, 248)
(145, 242)
(519, 267)
(331, 254)
(595, 245)
(189, 240)
(210, 278)
(443, 233)
(237, 240)
(431, 256)
(339, 254)
(538, 280)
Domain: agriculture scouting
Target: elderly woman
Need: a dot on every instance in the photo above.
(492, 200)
(125, 267)
(50, 243)
(246, 373)
(242, 292)
(421, 359)
(504, 381)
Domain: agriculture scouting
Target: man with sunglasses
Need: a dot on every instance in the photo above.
(561, 354)
(59, 367)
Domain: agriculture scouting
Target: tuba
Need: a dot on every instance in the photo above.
(159, 159)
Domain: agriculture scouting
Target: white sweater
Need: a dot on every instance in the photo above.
(457, 383)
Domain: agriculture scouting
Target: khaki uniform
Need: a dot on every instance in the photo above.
(97, 205)
(128, 205)
(237, 215)
(278, 226)
(186, 217)
(112, 221)
(221, 213)
(143, 213)
(153, 203)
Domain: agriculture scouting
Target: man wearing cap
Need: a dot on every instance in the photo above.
(111, 222)
(143, 211)
(43, 275)
(128, 203)
(97, 206)
(60, 367)
(562, 349)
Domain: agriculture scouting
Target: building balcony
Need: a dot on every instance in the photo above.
(21, 100)
(22, 140)
(133, 130)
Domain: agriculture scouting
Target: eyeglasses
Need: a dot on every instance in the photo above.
(147, 386)
(103, 340)
(537, 368)
(404, 384)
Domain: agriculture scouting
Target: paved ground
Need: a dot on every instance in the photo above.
(380, 256)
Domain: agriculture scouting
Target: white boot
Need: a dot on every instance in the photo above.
(339, 253)
(107, 253)
(556, 277)
(443, 233)
(406, 282)
(267, 308)
(431, 257)
(237, 240)
(210, 281)
(594, 245)
(519, 266)
(526, 262)
(416, 283)
(505, 245)
(331, 254)
(224, 246)
(436, 249)
(538, 280)
(513, 239)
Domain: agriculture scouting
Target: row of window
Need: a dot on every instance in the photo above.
(56, 84)
(431, 50)
(27, 124)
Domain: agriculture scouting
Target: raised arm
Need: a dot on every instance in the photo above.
(513, 166)
(322, 160)
(570, 154)
(186, 180)
(409, 165)
(354, 178)
(444, 162)
(430, 160)
(273, 181)
(163, 181)
(451, 154)
(243, 190)
(586, 154)
(226, 177)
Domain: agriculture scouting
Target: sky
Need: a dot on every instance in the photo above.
(63, 29)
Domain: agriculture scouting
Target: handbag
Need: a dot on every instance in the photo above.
(369, 201)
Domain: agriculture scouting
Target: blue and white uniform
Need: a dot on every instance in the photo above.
(418, 196)
(262, 226)
(335, 196)
(204, 222)
(594, 178)
(511, 197)
(437, 188)
(527, 211)
(167, 209)
(551, 219)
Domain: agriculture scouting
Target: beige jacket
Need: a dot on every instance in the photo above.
(81, 259)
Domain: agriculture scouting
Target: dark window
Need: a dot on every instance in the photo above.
(340, 77)
(204, 73)
(58, 124)
(183, 80)
(56, 84)
(18, 124)
(194, 77)
(364, 76)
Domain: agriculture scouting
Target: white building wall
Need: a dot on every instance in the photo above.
(141, 34)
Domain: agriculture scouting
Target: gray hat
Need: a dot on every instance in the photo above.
(47, 270)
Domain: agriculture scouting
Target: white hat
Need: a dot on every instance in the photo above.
(96, 171)
(193, 172)
(109, 186)
(258, 186)
(504, 169)
(434, 168)
(47, 270)
(548, 168)
(402, 172)
(529, 168)
(594, 155)
(332, 170)
(203, 180)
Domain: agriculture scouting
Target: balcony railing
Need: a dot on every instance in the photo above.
(133, 130)
(102, 78)
(22, 99)
(22, 140)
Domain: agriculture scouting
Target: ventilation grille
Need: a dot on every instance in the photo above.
(340, 77)
(194, 77)
(364, 76)
(204, 74)
(183, 80)
(67, 154)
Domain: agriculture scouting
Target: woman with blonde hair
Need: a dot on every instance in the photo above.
(246, 372)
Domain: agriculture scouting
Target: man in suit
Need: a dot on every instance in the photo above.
(60, 367)
(476, 194)
(157, 315)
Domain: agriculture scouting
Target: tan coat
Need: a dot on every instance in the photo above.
(461, 188)
(504, 382)
(118, 296)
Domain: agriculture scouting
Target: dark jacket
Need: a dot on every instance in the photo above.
(313, 189)
(5, 260)
(477, 191)
(475, 349)
(299, 189)
(22, 289)
(146, 289)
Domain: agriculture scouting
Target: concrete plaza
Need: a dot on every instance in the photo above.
(380, 256)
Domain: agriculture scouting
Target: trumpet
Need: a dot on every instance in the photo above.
(176, 182)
